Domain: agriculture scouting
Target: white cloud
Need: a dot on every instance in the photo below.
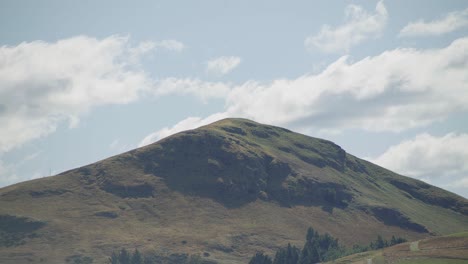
(43, 84)
(186, 124)
(428, 156)
(450, 22)
(144, 47)
(359, 26)
(442, 160)
(195, 87)
(397, 90)
(222, 65)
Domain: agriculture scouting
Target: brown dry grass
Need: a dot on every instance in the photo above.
(430, 250)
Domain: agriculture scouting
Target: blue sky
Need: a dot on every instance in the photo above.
(84, 80)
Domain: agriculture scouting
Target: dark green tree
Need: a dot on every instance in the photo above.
(380, 242)
(309, 253)
(114, 259)
(396, 240)
(319, 248)
(136, 257)
(195, 259)
(287, 255)
(260, 258)
(124, 256)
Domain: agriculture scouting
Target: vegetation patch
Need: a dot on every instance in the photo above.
(433, 261)
(234, 130)
(309, 192)
(14, 231)
(222, 248)
(322, 154)
(285, 149)
(260, 134)
(355, 165)
(207, 165)
(319, 248)
(107, 214)
(79, 259)
(393, 217)
(129, 191)
(249, 124)
(125, 257)
(47, 193)
(461, 234)
(425, 192)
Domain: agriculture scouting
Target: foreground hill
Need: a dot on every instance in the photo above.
(450, 249)
(224, 191)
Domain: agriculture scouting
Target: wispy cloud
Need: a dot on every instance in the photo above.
(222, 65)
(450, 22)
(117, 146)
(144, 47)
(170, 44)
(359, 26)
(195, 87)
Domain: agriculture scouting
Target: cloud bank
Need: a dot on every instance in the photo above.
(431, 158)
(428, 156)
(394, 91)
(43, 84)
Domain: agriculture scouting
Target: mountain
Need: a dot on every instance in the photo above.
(225, 191)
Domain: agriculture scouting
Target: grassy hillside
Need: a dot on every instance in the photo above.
(450, 249)
(224, 191)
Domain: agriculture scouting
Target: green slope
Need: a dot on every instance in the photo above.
(435, 250)
(228, 189)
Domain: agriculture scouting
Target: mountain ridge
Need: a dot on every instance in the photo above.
(228, 189)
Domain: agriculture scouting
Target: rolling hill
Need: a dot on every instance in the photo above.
(225, 191)
(449, 249)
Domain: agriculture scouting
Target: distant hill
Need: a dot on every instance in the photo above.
(224, 191)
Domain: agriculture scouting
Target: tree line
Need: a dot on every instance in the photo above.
(125, 257)
(319, 248)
